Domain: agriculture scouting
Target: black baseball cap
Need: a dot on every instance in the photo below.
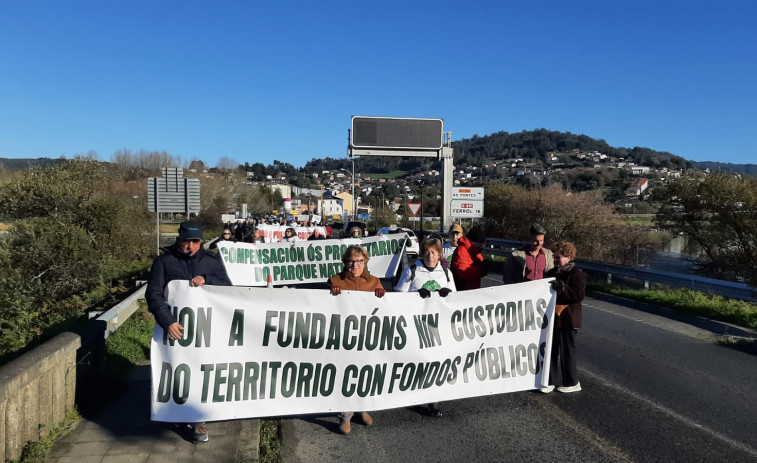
(190, 230)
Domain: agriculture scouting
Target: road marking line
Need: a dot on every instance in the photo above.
(682, 328)
(579, 428)
(671, 413)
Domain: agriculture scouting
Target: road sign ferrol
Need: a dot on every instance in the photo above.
(394, 133)
(466, 208)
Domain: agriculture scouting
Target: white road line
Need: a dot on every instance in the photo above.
(667, 325)
(659, 407)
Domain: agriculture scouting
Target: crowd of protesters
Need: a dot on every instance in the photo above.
(443, 267)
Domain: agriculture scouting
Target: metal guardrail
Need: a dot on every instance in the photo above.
(119, 313)
(728, 289)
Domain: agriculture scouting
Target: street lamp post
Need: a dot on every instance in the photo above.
(354, 202)
(421, 182)
(375, 217)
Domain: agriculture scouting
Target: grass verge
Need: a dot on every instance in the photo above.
(129, 345)
(36, 452)
(270, 441)
(737, 312)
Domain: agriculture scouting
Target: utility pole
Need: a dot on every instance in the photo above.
(354, 200)
(421, 182)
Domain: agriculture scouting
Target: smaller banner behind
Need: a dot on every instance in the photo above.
(252, 352)
(249, 264)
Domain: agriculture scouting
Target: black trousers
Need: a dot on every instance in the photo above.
(564, 357)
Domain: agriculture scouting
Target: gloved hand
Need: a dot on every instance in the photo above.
(444, 291)
(379, 292)
(557, 285)
(336, 290)
(424, 293)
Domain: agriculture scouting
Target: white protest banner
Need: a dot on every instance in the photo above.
(275, 233)
(252, 352)
(249, 264)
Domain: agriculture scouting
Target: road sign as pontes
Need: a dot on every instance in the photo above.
(414, 208)
(467, 193)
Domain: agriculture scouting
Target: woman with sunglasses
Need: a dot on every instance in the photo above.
(355, 277)
(225, 236)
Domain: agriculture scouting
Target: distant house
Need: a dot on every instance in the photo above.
(197, 166)
(331, 207)
(285, 190)
(637, 188)
(639, 170)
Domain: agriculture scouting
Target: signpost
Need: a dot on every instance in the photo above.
(172, 193)
(467, 203)
(382, 136)
(414, 208)
(404, 137)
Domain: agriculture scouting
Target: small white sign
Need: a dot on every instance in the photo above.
(467, 193)
(467, 208)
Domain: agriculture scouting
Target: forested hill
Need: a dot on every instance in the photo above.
(531, 146)
(745, 169)
(535, 144)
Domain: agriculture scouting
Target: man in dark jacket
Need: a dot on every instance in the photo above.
(184, 260)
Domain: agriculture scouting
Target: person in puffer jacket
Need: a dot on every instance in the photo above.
(184, 260)
(468, 266)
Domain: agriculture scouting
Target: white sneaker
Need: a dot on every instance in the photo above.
(547, 389)
(575, 388)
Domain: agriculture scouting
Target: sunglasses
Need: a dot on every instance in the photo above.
(193, 240)
(355, 262)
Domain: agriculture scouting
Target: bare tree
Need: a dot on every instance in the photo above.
(719, 213)
(226, 163)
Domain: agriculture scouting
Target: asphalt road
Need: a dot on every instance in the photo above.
(654, 389)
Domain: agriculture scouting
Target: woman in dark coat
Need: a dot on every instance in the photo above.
(570, 286)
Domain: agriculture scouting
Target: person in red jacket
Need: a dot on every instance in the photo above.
(467, 261)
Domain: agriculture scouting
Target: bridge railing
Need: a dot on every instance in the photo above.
(728, 289)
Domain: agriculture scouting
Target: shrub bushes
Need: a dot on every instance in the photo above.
(71, 242)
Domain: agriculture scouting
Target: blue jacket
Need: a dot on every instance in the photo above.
(175, 265)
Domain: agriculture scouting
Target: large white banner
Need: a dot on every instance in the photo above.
(275, 233)
(300, 262)
(253, 352)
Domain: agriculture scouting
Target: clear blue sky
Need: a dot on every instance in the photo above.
(258, 81)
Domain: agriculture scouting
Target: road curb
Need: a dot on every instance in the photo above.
(713, 326)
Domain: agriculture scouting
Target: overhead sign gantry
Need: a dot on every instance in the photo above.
(404, 136)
